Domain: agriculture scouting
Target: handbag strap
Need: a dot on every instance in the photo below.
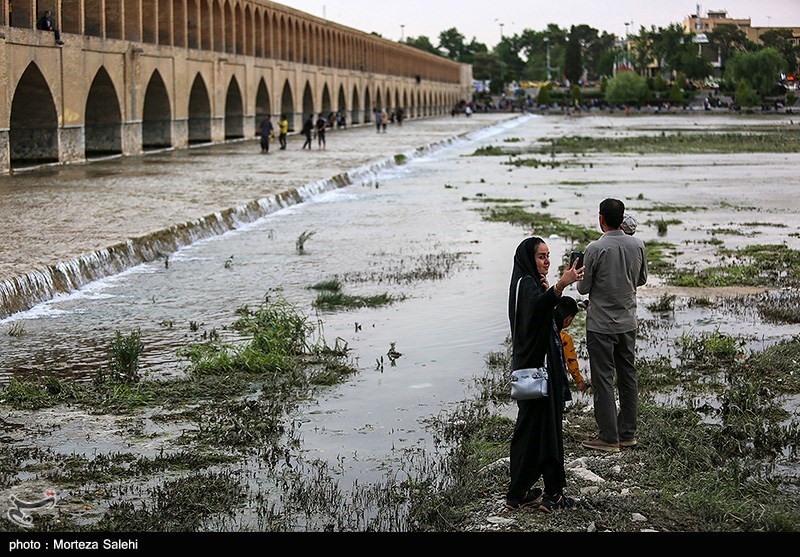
(514, 330)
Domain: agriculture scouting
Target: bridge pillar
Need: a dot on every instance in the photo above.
(71, 144)
(218, 128)
(5, 152)
(180, 133)
(132, 138)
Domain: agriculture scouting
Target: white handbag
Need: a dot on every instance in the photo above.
(528, 383)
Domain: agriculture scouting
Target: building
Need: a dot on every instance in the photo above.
(700, 26)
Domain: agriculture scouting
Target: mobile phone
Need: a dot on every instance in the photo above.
(576, 255)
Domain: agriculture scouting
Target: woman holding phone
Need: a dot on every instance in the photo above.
(537, 446)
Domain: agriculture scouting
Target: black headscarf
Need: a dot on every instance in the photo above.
(524, 265)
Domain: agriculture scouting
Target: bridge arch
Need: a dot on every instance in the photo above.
(263, 106)
(103, 120)
(199, 112)
(234, 111)
(355, 112)
(368, 108)
(156, 115)
(287, 104)
(308, 101)
(326, 101)
(33, 133)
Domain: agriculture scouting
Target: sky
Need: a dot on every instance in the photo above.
(484, 21)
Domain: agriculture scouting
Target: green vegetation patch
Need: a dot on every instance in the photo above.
(489, 151)
(758, 265)
(784, 140)
(540, 224)
(329, 301)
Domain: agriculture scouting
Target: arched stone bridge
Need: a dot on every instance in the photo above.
(138, 75)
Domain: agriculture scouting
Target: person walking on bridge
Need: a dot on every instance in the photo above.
(267, 132)
(308, 126)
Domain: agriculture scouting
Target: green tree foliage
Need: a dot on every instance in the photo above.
(423, 43)
(508, 52)
(761, 70)
(575, 94)
(781, 40)
(573, 57)
(642, 48)
(545, 96)
(487, 65)
(729, 39)
(451, 42)
(626, 88)
(746, 97)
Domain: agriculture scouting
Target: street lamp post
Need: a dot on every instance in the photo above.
(501, 31)
(547, 42)
(402, 32)
(627, 43)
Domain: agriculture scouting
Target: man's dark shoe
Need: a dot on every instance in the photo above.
(628, 443)
(532, 497)
(552, 502)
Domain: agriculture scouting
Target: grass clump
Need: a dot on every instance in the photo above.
(182, 505)
(488, 151)
(330, 301)
(540, 224)
(124, 354)
(757, 265)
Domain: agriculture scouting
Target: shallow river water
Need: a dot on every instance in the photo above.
(404, 220)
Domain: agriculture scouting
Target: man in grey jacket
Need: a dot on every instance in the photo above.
(614, 266)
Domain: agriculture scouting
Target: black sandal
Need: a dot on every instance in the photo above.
(559, 501)
(532, 497)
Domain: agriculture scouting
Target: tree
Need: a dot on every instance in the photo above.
(642, 45)
(487, 65)
(452, 43)
(626, 88)
(746, 97)
(760, 69)
(508, 52)
(781, 40)
(573, 60)
(728, 39)
(423, 43)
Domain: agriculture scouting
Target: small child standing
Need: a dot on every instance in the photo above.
(563, 314)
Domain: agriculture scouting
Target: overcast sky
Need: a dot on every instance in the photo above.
(481, 19)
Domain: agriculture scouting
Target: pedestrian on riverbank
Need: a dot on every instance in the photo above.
(378, 119)
(321, 126)
(283, 131)
(537, 445)
(384, 120)
(308, 126)
(614, 266)
(267, 132)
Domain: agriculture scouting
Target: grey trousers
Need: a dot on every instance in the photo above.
(610, 353)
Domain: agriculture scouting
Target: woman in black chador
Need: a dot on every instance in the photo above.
(537, 447)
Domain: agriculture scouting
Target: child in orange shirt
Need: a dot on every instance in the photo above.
(564, 313)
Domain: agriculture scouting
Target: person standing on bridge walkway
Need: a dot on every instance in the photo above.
(267, 132)
(308, 126)
(321, 126)
(284, 131)
(45, 23)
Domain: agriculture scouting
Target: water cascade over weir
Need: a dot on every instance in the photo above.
(22, 292)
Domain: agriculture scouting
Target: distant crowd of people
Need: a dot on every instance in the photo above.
(315, 128)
